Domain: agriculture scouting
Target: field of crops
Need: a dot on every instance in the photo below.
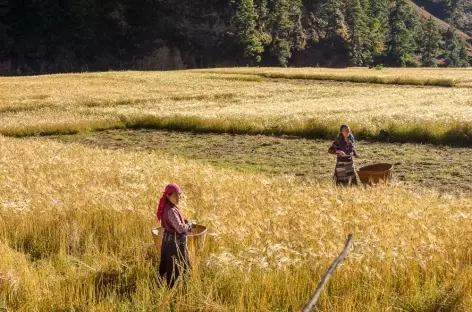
(75, 217)
(231, 101)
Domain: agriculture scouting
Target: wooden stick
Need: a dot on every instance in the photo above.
(327, 275)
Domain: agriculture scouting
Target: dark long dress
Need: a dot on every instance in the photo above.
(174, 257)
(175, 260)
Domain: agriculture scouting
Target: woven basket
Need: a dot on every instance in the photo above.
(195, 239)
(373, 174)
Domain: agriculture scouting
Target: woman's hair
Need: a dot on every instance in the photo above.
(345, 126)
(170, 188)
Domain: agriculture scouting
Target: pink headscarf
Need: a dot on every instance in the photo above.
(170, 188)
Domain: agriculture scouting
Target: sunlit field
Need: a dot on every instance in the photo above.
(76, 211)
(225, 101)
(75, 234)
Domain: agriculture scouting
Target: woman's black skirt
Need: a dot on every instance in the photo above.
(174, 257)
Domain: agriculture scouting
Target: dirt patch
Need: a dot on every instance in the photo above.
(446, 169)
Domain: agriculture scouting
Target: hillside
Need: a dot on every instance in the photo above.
(458, 13)
(441, 23)
(54, 36)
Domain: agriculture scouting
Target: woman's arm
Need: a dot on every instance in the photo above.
(180, 226)
(354, 151)
(334, 148)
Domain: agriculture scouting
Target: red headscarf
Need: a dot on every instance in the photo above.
(170, 188)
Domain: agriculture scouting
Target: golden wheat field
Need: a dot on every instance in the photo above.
(231, 101)
(75, 220)
(75, 234)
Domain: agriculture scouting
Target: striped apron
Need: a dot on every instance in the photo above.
(344, 173)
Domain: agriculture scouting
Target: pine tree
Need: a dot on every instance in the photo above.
(263, 21)
(456, 54)
(333, 16)
(300, 34)
(360, 43)
(452, 49)
(463, 55)
(401, 45)
(380, 9)
(285, 15)
(328, 28)
(245, 22)
(430, 42)
(379, 27)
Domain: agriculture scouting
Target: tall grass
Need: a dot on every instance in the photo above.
(396, 76)
(450, 132)
(75, 235)
(453, 131)
(437, 82)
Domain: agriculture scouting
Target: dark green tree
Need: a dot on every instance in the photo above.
(263, 21)
(456, 54)
(334, 20)
(463, 54)
(452, 48)
(401, 44)
(429, 43)
(285, 16)
(360, 41)
(247, 36)
(380, 9)
(379, 27)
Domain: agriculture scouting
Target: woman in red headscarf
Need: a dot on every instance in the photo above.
(174, 253)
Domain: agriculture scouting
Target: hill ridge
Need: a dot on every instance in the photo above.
(442, 24)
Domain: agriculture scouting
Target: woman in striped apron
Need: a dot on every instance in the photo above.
(343, 147)
(174, 253)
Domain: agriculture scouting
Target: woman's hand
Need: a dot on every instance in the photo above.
(340, 153)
